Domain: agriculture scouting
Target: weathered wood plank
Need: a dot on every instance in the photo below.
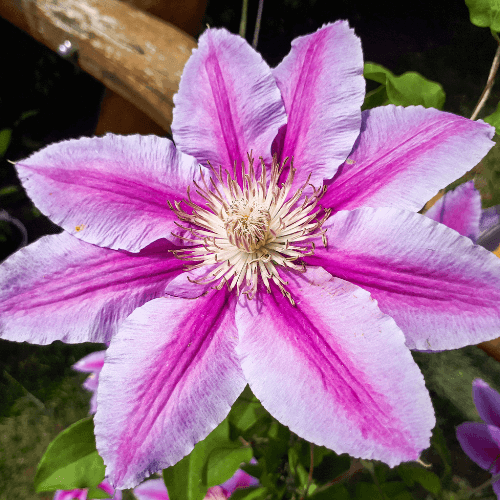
(133, 53)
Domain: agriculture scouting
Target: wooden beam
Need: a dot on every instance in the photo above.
(133, 53)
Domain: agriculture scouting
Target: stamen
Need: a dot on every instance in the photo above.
(250, 230)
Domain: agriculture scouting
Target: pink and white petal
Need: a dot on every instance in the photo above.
(154, 489)
(70, 495)
(106, 487)
(335, 369)
(487, 402)
(91, 363)
(481, 442)
(93, 403)
(240, 480)
(460, 210)
(441, 289)
(228, 103)
(91, 382)
(322, 85)
(110, 191)
(403, 156)
(170, 377)
(61, 288)
(216, 493)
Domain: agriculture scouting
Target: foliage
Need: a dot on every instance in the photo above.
(409, 89)
(485, 13)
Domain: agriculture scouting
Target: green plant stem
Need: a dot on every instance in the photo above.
(257, 24)
(489, 83)
(243, 21)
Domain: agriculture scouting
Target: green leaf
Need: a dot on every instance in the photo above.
(485, 13)
(439, 444)
(71, 460)
(5, 137)
(396, 490)
(319, 452)
(96, 493)
(367, 491)
(336, 492)
(250, 494)
(224, 462)
(375, 98)
(411, 474)
(296, 467)
(245, 413)
(408, 89)
(494, 119)
(189, 478)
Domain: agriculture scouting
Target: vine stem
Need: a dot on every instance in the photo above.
(257, 24)
(489, 83)
(243, 21)
(491, 480)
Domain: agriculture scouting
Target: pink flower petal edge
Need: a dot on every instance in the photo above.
(403, 156)
(228, 103)
(110, 191)
(441, 289)
(186, 375)
(322, 85)
(334, 369)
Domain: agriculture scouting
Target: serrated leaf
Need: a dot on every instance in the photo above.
(71, 460)
(408, 89)
(224, 462)
(485, 13)
(5, 137)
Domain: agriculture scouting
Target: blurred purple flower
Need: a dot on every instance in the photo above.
(354, 276)
(460, 209)
(92, 363)
(81, 494)
(155, 489)
(481, 442)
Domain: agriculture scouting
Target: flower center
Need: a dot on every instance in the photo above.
(250, 231)
(247, 224)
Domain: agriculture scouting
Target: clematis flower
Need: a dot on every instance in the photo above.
(481, 442)
(276, 244)
(461, 210)
(81, 494)
(155, 489)
(92, 363)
